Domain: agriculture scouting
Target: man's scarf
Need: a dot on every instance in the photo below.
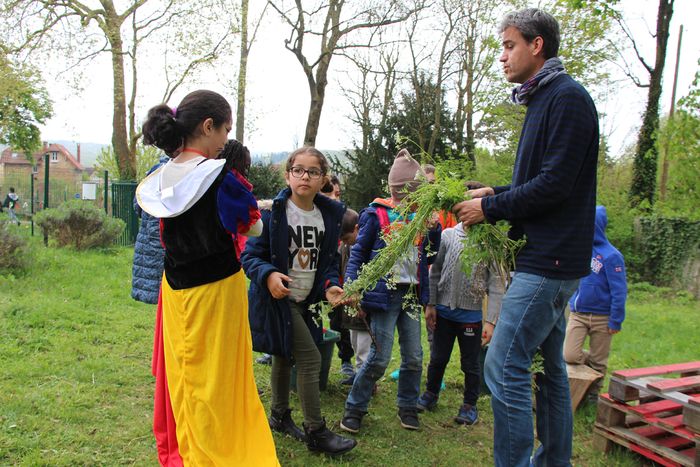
(551, 69)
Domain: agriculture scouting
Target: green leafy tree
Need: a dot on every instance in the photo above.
(679, 139)
(365, 171)
(24, 104)
(267, 180)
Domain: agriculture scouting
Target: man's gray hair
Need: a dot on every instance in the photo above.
(533, 22)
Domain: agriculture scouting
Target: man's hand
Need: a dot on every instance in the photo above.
(486, 333)
(613, 331)
(430, 316)
(481, 192)
(334, 295)
(469, 212)
(276, 285)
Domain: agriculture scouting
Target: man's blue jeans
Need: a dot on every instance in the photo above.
(383, 325)
(532, 317)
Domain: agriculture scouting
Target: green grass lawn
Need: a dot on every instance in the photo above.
(76, 388)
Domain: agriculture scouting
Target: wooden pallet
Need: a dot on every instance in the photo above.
(653, 413)
(647, 384)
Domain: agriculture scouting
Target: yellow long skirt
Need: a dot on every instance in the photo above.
(219, 418)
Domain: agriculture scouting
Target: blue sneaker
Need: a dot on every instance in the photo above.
(468, 415)
(395, 374)
(428, 401)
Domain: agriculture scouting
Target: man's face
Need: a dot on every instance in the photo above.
(520, 59)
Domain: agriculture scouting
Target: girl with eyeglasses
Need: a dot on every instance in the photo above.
(292, 266)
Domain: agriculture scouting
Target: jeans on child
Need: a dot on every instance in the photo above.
(383, 325)
(532, 317)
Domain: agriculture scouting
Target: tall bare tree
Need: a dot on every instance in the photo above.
(433, 56)
(328, 23)
(107, 28)
(372, 94)
(246, 46)
(477, 84)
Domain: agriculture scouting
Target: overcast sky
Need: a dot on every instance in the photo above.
(277, 102)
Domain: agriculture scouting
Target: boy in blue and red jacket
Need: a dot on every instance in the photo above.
(386, 304)
(597, 306)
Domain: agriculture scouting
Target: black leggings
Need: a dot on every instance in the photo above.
(469, 338)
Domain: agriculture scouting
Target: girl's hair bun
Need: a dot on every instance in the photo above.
(161, 129)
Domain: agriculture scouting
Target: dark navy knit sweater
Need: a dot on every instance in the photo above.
(551, 199)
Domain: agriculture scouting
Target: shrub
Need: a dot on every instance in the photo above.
(79, 224)
(670, 248)
(13, 251)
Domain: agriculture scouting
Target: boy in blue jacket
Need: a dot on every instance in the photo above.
(386, 303)
(598, 306)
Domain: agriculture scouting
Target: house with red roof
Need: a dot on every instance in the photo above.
(65, 171)
(62, 164)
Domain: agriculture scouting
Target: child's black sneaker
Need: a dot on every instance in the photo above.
(409, 418)
(427, 401)
(468, 415)
(352, 420)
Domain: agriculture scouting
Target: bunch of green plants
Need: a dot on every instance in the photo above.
(485, 244)
(489, 244)
(420, 205)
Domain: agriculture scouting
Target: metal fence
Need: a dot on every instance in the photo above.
(123, 208)
(115, 197)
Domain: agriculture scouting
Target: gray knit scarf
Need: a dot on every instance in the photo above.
(551, 69)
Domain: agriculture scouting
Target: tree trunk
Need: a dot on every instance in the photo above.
(645, 158)
(120, 137)
(317, 88)
(242, 71)
(313, 121)
(127, 168)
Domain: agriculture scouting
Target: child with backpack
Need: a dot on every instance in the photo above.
(10, 203)
(386, 304)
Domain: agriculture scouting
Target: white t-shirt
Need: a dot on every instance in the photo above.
(305, 232)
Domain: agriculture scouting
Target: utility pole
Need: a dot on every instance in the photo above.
(664, 156)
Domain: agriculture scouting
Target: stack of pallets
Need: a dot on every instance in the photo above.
(653, 412)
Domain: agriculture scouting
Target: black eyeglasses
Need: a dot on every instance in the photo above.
(298, 172)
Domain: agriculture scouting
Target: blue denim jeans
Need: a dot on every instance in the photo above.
(532, 317)
(383, 325)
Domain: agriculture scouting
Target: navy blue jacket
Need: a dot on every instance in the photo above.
(270, 319)
(604, 290)
(369, 242)
(147, 270)
(551, 199)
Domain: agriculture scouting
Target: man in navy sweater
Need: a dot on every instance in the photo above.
(551, 203)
